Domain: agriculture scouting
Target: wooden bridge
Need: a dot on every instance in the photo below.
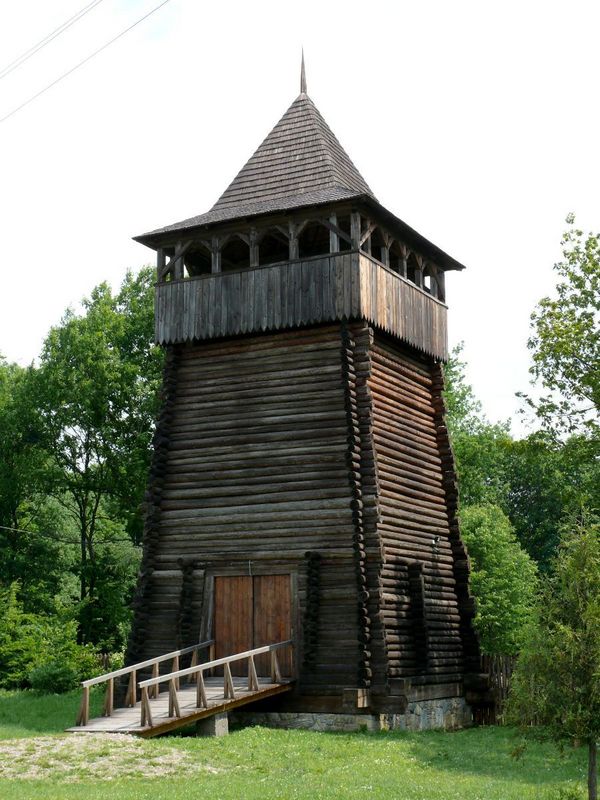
(192, 694)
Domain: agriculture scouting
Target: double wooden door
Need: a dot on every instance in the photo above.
(252, 611)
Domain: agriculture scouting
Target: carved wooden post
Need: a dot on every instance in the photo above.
(294, 248)
(419, 271)
(254, 248)
(355, 230)
(432, 272)
(178, 262)
(385, 249)
(403, 261)
(334, 239)
(160, 265)
(441, 283)
(366, 245)
(215, 254)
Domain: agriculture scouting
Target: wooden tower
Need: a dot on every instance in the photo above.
(303, 484)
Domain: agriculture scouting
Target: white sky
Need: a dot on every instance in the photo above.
(475, 122)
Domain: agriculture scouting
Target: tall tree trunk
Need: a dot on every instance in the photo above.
(592, 770)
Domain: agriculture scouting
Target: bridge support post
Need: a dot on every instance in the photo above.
(217, 725)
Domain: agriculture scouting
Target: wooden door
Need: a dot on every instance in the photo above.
(272, 619)
(252, 611)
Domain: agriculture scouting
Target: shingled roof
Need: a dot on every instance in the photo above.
(300, 163)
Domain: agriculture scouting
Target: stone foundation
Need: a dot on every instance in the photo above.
(448, 713)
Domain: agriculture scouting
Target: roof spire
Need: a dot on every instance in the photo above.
(302, 76)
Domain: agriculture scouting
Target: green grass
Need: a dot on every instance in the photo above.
(260, 763)
(28, 714)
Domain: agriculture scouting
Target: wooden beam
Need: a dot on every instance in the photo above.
(253, 244)
(355, 229)
(367, 234)
(385, 250)
(334, 237)
(419, 271)
(293, 241)
(160, 264)
(441, 282)
(215, 251)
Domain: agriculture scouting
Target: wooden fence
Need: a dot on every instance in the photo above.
(499, 668)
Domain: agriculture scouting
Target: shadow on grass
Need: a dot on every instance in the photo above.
(24, 713)
(495, 752)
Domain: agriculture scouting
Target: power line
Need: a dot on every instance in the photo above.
(57, 538)
(85, 60)
(47, 39)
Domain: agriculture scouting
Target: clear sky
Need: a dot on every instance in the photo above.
(475, 122)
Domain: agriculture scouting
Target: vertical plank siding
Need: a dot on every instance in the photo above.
(345, 286)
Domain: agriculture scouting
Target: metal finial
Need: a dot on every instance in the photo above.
(302, 76)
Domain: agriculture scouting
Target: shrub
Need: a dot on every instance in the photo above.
(53, 677)
(29, 641)
(503, 578)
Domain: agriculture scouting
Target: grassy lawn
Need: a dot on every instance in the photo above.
(37, 761)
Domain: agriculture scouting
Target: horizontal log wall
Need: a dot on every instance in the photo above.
(298, 293)
(421, 610)
(255, 477)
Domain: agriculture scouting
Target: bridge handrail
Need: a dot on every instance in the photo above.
(132, 670)
(217, 662)
(148, 663)
(198, 670)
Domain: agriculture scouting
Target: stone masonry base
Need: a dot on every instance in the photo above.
(444, 714)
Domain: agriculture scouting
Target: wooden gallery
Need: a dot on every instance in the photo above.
(303, 492)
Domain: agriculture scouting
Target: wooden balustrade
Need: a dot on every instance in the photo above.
(132, 670)
(195, 673)
(322, 289)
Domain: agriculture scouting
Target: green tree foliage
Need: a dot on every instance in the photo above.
(565, 343)
(96, 394)
(480, 447)
(36, 562)
(536, 481)
(557, 680)
(503, 578)
(28, 640)
(548, 480)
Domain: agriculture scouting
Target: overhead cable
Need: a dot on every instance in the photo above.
(47, 39)
(81, 63)
(58, 538)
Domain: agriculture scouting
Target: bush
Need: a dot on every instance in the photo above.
(53, 677)
(503, 578)
(30, 641)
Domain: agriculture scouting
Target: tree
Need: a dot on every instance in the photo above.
(96, 391)
(536, 481)
(503, 578)
(480, 447)
(547, 480)
(557, 680)
(566, 338)
(35, 561)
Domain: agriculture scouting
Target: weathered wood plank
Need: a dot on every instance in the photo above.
(340, 286)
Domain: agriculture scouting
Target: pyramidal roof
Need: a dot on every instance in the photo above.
(300, 156)
(300, 163)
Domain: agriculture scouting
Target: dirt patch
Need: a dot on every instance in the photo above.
(102, 756)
